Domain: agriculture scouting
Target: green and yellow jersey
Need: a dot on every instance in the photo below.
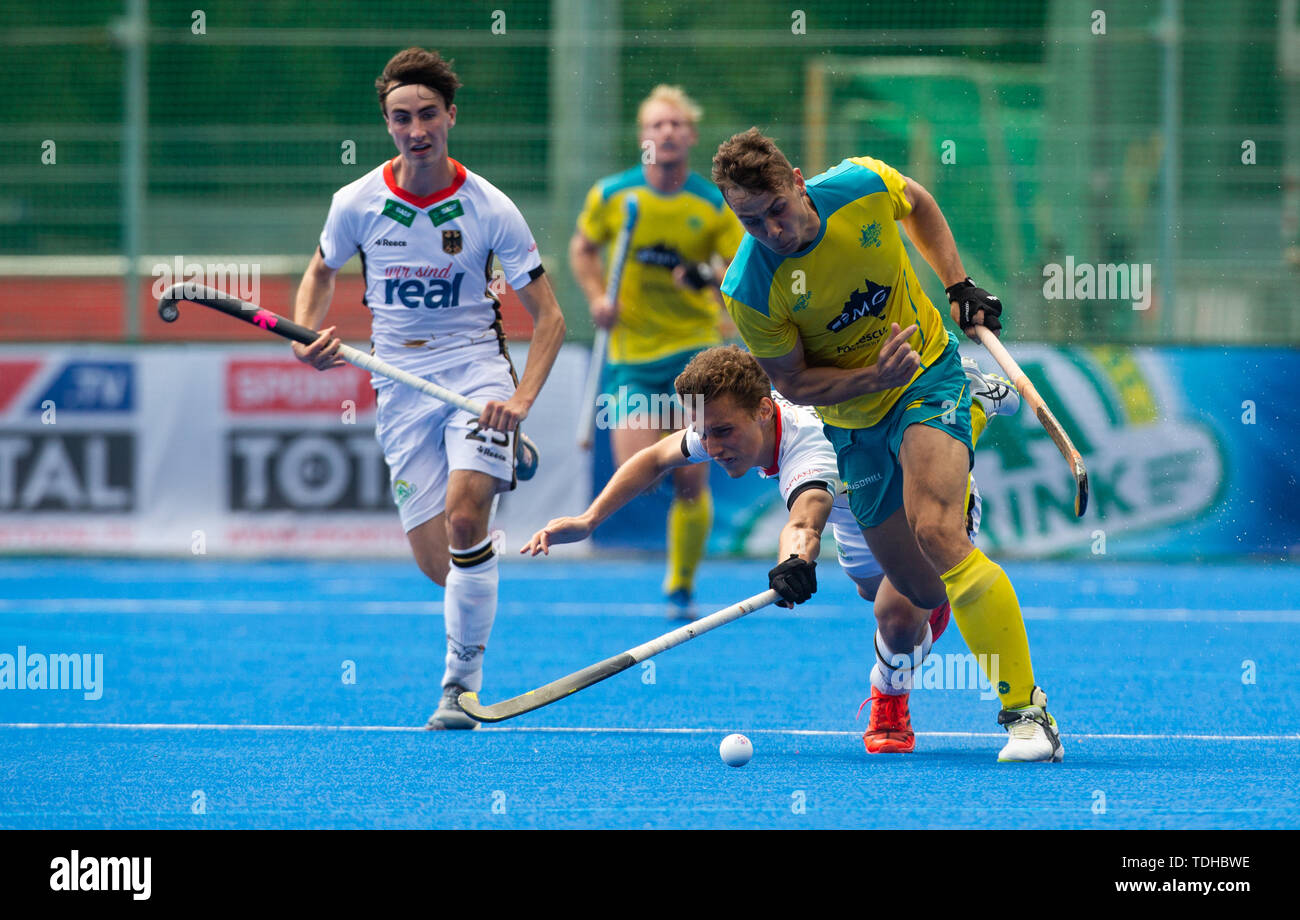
(658, 318)
(841, 293)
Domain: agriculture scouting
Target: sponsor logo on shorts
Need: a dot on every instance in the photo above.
(493, 454)
(858, 484)
(402, 490)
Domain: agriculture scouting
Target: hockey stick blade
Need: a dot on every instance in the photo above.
(594, 674)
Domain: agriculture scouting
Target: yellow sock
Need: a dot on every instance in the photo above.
(978, 421)
(689, 523)
(987, 613)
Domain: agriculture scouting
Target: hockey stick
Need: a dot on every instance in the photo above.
(526, 453)
(1030, 394)
(580, 680)
(600, 345)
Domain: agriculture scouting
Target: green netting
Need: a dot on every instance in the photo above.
(1061, 136)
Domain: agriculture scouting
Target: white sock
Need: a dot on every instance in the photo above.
(892, 674)
(469, 607)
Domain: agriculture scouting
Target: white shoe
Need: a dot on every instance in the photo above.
(1035, 737)
(996, 393)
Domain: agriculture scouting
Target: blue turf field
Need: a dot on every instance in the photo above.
(225, 679)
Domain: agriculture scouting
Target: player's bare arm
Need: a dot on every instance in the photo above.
(928, 229)
(629, 480)
(309, 308)
(795, 578)
(802, 533)
(589, 270)
(826, 386)
(538, 299)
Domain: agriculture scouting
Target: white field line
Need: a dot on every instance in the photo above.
(341, 606)
(199, 726)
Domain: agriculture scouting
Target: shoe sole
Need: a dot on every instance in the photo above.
(890, 745)
(438, 725)
(1055, 758)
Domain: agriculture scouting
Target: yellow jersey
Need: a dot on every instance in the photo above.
(657, 317)
(841, 292)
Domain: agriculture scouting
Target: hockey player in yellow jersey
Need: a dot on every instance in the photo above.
(824, 295)
(667, 307)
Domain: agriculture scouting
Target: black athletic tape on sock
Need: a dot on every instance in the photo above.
(467, 559)
(875, 643)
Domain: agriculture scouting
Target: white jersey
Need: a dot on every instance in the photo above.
(804, 459)
(428, 264)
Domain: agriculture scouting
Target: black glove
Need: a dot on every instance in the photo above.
(699, 275)
(795, 580)
(970, 300)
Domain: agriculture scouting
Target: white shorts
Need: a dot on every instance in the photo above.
(424, 439)
(855, 556)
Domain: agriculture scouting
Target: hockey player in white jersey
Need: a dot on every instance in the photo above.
(427, 231)
(738, 421)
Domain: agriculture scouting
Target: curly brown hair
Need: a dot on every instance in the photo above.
(415, 65)
(751, 162)
(726, 370)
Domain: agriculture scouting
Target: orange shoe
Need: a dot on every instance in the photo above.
(890, 728)
(939, 618)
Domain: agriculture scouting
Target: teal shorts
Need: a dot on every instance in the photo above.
(645, 390)
(868, 457)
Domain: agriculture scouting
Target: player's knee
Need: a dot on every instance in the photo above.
(921, 595)
(465, 527)
(940, 537)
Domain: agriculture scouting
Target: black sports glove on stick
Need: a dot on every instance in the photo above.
(795, 579)
(970, 300)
